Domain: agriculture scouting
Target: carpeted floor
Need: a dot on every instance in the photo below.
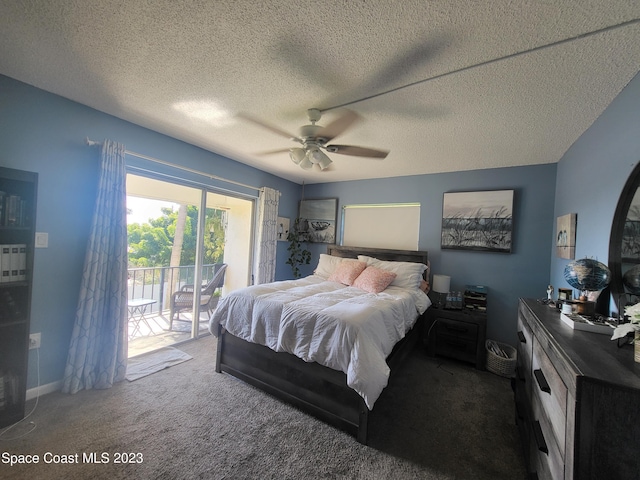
(438, 419)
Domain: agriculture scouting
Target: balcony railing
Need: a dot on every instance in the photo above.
(158, 283)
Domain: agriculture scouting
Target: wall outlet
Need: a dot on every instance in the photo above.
(34, 340)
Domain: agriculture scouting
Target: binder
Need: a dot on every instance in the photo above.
(14, 263)
(5, 263)
(22, 262)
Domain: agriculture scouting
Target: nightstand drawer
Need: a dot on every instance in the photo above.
(459, 329)
(456, 347)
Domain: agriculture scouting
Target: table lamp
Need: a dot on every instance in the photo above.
(441, 285)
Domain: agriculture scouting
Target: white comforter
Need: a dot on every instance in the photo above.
(341, 327)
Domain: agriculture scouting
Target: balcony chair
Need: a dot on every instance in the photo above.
(183, 299)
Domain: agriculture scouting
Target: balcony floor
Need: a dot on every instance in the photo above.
(154, 333)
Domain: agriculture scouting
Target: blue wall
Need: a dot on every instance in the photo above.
(523, 273)
(45, 133)
(593, 172)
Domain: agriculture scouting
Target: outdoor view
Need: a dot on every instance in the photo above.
(162, 230)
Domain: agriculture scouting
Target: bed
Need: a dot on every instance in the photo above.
(338, 385)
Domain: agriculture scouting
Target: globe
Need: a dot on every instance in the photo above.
(631, 280)
(587, 275)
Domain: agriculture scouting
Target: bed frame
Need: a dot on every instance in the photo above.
(314, 388)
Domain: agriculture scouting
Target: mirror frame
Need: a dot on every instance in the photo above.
(617, 226)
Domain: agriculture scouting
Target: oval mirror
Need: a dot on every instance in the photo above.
(624, 242)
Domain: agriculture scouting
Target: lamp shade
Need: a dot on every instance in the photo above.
(441, 283)
(306, 163)
(297, 155)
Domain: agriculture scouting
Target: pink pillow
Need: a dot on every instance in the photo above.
(374, 280)
(347, 271)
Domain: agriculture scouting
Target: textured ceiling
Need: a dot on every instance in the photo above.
(187, 69)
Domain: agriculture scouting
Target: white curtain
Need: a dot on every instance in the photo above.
(98, 350)
(267, 238)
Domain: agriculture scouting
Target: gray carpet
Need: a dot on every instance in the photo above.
(437, 420)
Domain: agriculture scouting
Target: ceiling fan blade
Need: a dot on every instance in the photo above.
(272, 152)
(357, 151)
(339, 125)
(276, 130)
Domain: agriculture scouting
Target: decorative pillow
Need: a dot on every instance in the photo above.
(327, 265)
(347, 272)
(408, 274)
(374, 280)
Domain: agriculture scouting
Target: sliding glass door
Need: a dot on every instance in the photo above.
(180, 236)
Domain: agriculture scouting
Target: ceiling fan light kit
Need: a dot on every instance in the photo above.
(314, 139)
(307, 157)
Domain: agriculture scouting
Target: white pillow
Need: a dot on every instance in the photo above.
(408, 274)
(327, 265)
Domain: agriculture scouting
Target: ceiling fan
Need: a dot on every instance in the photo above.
(314, 139)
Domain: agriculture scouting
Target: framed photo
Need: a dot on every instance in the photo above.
(566, 236)
(318, 219)
(480, 221)
(282, 230)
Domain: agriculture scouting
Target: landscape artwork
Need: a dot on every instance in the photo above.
(481, 221)
(318, 220)
(631, 232)
(566, 236)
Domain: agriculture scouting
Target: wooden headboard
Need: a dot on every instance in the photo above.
(419, 256)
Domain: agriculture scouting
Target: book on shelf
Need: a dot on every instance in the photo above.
(14, 211)
(578, 322)
(13, 263)
(5, 263)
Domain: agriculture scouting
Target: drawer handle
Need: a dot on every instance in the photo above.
(542, 381)
(522, 338)
(539, 436)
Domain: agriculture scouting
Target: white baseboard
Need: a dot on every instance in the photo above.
(44, 389)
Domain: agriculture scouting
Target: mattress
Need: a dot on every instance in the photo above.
(340, 327)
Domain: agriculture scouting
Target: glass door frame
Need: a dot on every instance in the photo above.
(204, 189)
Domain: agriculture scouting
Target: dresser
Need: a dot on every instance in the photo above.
(577, 400)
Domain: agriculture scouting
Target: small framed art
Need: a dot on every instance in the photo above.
(566, 236)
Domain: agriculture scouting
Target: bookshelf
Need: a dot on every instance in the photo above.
(18, 191)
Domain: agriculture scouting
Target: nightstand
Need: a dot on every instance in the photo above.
(458, 334)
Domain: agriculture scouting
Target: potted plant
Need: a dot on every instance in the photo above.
(298, 254)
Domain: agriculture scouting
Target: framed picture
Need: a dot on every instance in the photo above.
(318, 219)
(566, 236)
(481, 221)
(283, 229)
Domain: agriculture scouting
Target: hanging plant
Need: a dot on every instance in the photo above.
(298, 254)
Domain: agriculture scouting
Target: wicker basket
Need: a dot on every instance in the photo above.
(505, 367)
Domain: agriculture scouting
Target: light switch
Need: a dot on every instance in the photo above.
(42, 240)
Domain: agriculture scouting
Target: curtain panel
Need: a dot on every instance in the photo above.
(267, 238)
(98, 350)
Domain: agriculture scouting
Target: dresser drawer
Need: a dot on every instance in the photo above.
(524, 348)
(545, 459)
(549, 396)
